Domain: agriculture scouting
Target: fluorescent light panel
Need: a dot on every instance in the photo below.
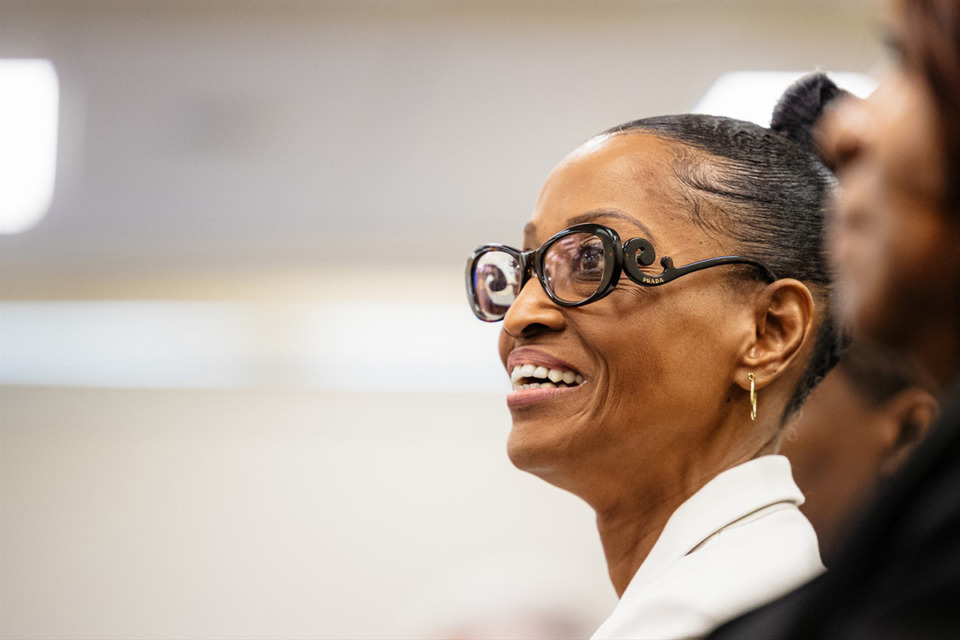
(29, 106)
(437, 348)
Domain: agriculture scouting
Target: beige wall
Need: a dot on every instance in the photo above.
(267, 514)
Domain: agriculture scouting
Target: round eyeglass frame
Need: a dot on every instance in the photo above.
(628, 257)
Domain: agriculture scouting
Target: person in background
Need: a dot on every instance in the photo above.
(896, 245)
(856, 429)
(668, 313)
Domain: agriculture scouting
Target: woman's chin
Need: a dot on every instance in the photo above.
(537, 448)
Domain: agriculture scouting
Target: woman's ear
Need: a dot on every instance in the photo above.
(784, 324)
(909, 416)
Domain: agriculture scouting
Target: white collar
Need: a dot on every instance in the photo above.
(730, 496)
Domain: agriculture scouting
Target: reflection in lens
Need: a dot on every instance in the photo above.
(496, 280)
(573, 267)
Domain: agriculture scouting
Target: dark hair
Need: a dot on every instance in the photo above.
(931, 44)
(766, 190)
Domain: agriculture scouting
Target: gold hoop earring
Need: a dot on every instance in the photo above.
(753, 398)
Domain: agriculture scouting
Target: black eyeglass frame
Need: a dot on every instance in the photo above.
(628, 258)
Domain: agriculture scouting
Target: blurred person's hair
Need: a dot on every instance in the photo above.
(930, 44)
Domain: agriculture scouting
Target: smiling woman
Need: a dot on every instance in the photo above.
(667, 314)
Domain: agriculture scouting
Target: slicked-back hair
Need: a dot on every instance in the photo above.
(765, 193)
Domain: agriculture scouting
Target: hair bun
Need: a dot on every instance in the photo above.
(801, 106)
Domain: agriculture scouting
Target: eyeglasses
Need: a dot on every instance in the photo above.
(577, 266)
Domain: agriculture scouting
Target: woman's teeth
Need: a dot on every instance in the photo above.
(529, 376)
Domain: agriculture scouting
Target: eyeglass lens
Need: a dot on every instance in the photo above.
(496, 281)
(573, 268)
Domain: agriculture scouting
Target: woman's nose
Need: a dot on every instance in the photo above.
(532, 312)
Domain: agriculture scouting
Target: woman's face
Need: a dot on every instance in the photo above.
(895, 250)
(657, 362)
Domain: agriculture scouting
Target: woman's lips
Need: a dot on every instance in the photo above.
(528, 355)
(537, 376)
(524, 397)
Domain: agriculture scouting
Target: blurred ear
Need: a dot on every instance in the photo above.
(911, 413)
(783, 324)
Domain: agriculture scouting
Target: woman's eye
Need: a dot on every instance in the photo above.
(590, 259)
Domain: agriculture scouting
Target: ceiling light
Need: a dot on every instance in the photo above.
(29, 101)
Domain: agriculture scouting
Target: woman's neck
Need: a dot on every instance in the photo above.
(631, 524)
(627, 540)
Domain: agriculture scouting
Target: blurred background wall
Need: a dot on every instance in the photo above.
(242, 395)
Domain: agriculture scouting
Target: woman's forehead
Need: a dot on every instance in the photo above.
(629, 175)
(645, 150)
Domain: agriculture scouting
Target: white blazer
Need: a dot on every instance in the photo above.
(737, 543)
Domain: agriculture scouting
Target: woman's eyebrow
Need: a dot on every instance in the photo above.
(591, 216)
(530, 229)
(529, 237)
